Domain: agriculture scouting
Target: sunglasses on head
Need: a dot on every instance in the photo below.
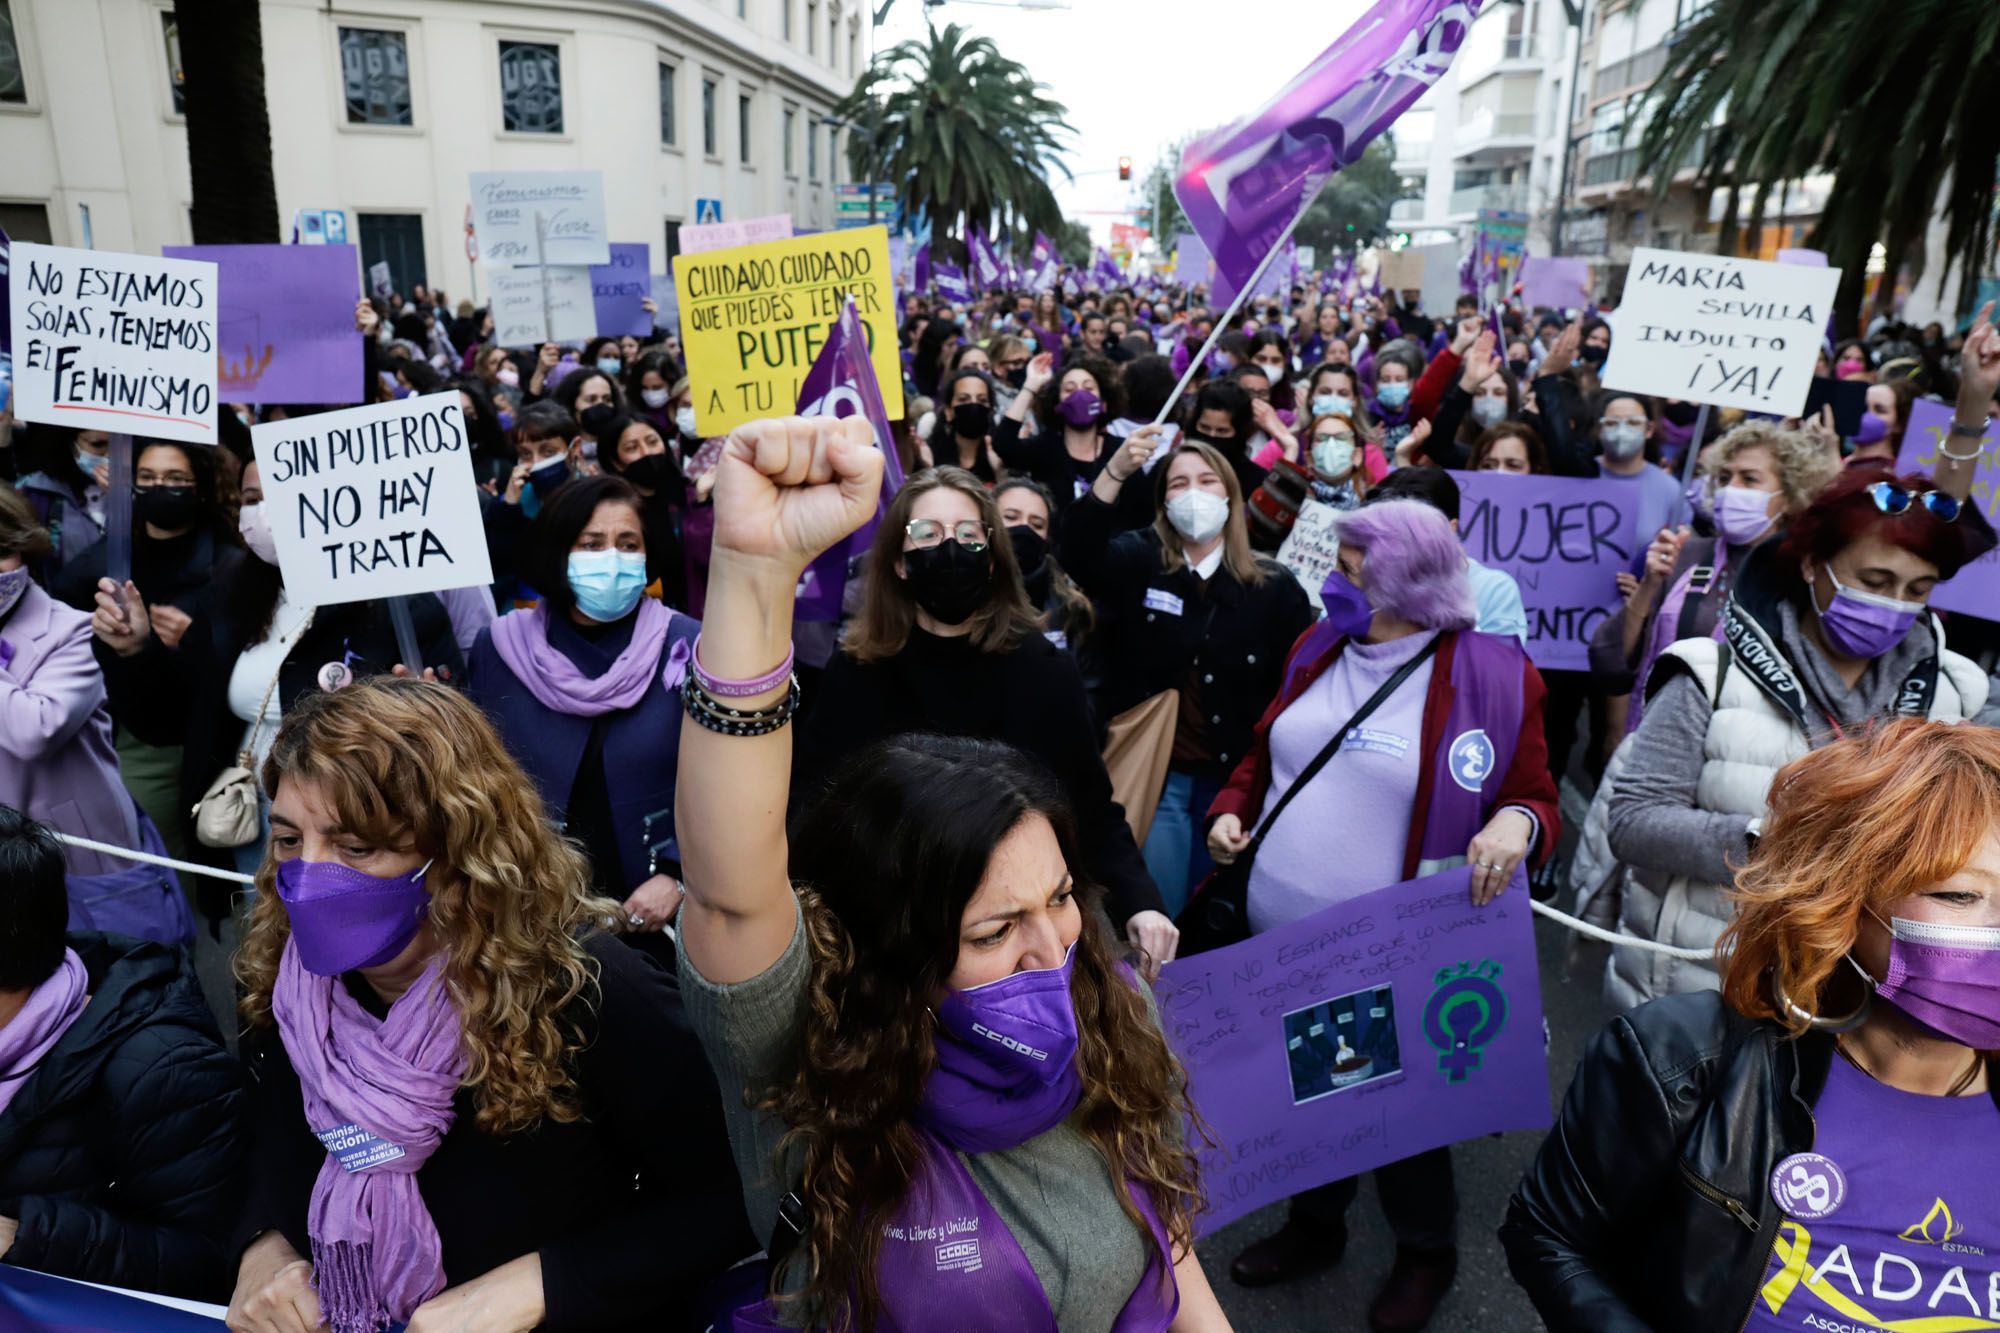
(1891, 498)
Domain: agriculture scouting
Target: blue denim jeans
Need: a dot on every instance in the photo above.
(1176, 849)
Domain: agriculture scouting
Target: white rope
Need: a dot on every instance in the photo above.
(1621, 941)
(185, 867)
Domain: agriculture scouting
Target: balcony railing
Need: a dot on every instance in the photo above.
(1607, 168)
(1484, 126)
(1635, 71)
(1500, 198)
(1406, 210)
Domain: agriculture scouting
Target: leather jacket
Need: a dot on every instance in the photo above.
(1649, 1205)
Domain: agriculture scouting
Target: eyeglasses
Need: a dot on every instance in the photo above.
(148, 477)
(1893, 499)
(924, 533)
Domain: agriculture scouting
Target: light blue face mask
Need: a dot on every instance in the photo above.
(610, 365)
(607, 584)
(1393, 396)
(1333, 404)
(88, 462)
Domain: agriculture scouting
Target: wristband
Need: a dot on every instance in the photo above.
(739, 689)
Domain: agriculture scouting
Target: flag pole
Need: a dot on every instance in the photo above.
(1222, 324)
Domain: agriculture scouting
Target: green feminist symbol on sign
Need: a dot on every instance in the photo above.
(1466, 1012)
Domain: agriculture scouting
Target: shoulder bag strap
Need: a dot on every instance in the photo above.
(264, 706)
(1361, 714)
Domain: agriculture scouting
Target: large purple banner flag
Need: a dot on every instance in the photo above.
(1387, 1025)
(31, 1300)
(1564, 540)
(1042, 262)
(284, 321)
(920, 274)
(842, 383)
(1242, 186)
(985, 264)
(951, 282)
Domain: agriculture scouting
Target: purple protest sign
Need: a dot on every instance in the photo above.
(1975, 589)
(6, 315)
(1565, 540)
(1558, 284)
(1384, 1026)
(1042, 263)
(842, 383)
(1243, 186)
(1191, 263)
(952, 284)
(284, 321)
(620, 289)
(920, 278)
(985, 264)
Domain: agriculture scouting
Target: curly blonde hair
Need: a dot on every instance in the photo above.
(1804, 466)
(405, 763)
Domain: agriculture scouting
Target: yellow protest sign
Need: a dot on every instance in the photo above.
(753, 317)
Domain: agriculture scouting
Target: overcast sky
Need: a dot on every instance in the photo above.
(1136, 75)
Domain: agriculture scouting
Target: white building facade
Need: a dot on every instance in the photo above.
(692, 109)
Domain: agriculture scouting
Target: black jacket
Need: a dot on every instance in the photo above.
(1228, 640)
(634, 1209)
(120, 1155)
(1032, 698)
(1649, 1205)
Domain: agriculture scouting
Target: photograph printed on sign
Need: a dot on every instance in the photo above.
(1342, 1043)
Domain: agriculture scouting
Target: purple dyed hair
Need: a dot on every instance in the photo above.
(1415, 567)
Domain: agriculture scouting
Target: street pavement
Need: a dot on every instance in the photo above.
(1485, 1298)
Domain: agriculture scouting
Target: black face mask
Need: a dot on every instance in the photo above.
(1519, 367)
(167, 507)
(1681, 414)
(1594, 356)
(971, 421)
(1030, 548)
(948, 581)
(1018, 376)
(651, 471)
(596, 417)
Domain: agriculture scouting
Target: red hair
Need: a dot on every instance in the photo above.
(1844, 513)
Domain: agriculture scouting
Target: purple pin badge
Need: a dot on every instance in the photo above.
(1808, 1186)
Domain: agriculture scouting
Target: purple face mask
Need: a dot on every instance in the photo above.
(1006, 1062)
(344, 918)
(1864, 624)
(1742, 515)
(1348, 612)
(1081, 408)
(1947, 978)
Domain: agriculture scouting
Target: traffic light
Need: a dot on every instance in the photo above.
(1124, 168)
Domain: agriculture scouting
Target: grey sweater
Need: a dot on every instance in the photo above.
(1054, 1192)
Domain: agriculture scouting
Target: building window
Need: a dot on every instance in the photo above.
(812, 27)
(673, 242)
(743, 130)
(743, 9)
(395, 239)
(530, 88)
(375, 76)
(786, 6)
(13, 87)
(791, 132)
(668, 130)
(812, 149)
(708, 117)
(25, 222)
(853, 50)
(170, 34)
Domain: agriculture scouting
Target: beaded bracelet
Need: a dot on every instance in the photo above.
(739, 689)
(719, 717)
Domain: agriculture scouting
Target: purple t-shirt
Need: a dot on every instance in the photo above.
(1892, 1220)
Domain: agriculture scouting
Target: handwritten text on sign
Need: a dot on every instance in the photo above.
(114, 342)
(1383, 1026)
(1564, 539)
(373, 501)
(540, 217)
(532, 306)
(1715, 329)
(1975, 589)
(754, 318)
(620, 289)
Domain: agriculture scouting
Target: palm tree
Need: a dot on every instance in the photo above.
(1891, 96)
(228, 125)
(962, 130)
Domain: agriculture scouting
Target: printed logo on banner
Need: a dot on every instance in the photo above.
(1467, 1011)
(355, 1148)
(959, 1256)
(1939, 1217)
(1471, 759)
(1809, 1186)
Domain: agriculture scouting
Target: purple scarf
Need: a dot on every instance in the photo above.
(28, 1038)
(522, 639)
(378, 1095)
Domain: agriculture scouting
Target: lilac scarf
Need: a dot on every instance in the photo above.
(28, 1038)
(378, 1095)
(522, 639)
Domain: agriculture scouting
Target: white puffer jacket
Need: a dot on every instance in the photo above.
(1750, 737)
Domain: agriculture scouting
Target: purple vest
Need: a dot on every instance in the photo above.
(1476, 747)
(948, 1261)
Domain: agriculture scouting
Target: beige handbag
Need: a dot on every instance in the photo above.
(227, 814)
(1137, 748)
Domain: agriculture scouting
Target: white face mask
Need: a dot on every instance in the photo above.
(1488, 411)
(256, 530)
(1198, 516)
(1333, 455)
(684, 422)
(655, 398)
(1275, 374)
(1623, 442)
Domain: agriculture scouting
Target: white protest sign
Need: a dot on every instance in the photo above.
(1310, 549)
(374, 501)
(114, 342)
(1720, 330)
(380, 281)
(540, 217)
(532, 306)
(699, 236)
(1440, 278)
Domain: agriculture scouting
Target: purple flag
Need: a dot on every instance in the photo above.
(985, 264)
(1241, 187)
(842, 383)
(952, 284)
(1042, 263)
(285, 321)
(921, 275)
